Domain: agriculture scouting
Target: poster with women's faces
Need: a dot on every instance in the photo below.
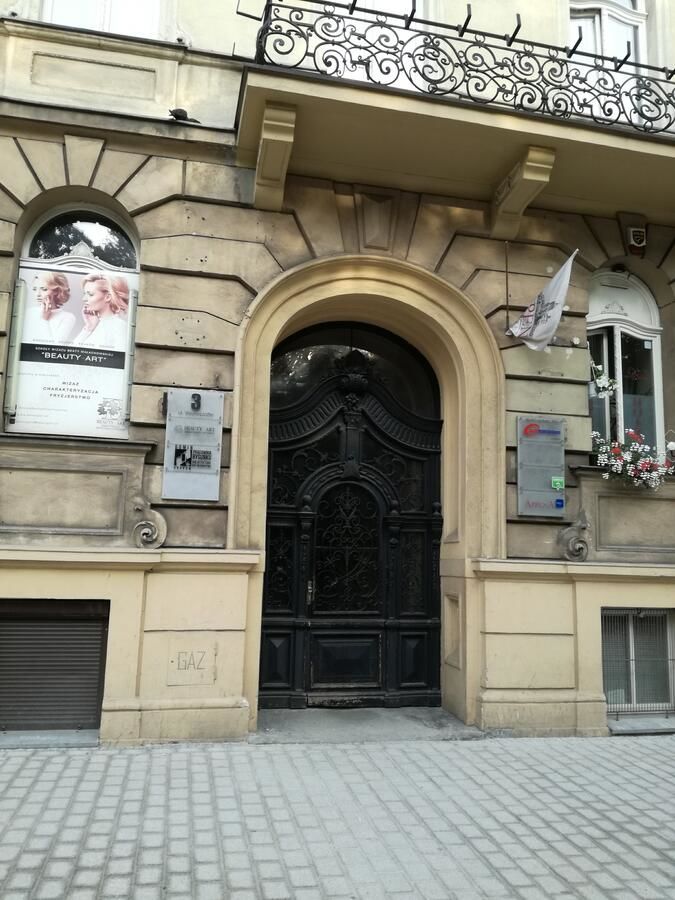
(71, 352)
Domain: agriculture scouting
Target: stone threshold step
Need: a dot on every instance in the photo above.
(34, 740)
(633, 725)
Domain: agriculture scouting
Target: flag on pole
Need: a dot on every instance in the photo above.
(539, 322)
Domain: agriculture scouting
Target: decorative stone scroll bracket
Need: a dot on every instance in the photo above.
(150, 532)
(573, 540)
(277, 134)
(517, 191)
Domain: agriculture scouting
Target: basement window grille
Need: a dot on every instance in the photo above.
(638, 667)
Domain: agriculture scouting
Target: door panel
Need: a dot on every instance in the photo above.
(351, 612)
(347, 552)
(346, 660)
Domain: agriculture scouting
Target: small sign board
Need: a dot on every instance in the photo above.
(541, 467)
(194, 433)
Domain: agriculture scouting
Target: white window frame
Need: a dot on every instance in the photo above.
(602, 11)
(166, 25)
(620, 322)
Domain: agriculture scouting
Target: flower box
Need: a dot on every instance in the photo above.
(626, 523)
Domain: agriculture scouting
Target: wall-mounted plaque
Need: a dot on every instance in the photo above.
(194, 432)
(541, 467)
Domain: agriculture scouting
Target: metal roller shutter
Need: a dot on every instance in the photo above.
(52, 662)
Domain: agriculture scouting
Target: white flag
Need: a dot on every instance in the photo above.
(539, 322)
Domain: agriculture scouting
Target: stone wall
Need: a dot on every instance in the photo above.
(205, 253)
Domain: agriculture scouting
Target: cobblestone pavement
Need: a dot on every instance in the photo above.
(528, 818)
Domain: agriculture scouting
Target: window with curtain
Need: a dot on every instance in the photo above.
(608, 26)
(624, 337)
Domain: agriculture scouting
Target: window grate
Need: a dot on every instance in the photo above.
(637, 661)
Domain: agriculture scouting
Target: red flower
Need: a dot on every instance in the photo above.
(616, 451)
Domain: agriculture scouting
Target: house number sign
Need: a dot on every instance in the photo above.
(541, 467)
(194, 433)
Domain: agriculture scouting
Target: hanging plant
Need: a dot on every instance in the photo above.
(632, 462)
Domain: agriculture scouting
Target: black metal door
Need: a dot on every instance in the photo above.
(351, 613)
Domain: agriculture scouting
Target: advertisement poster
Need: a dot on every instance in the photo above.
(72, 359)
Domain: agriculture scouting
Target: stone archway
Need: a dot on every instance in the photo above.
(450, 331)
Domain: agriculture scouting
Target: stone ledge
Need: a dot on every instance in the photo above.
(148, 560)
(533, 570)
(640, 724)
(626, 524)
(137, 704)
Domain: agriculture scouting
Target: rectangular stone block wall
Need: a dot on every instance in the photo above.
(205, 254)
(529, 680)
(202, 262)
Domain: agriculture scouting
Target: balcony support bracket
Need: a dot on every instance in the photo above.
(517, 191)
(274, 152)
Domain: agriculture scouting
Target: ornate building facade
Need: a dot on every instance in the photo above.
(325, 242)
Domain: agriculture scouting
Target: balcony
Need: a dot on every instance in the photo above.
(446, 110)
(461, 65)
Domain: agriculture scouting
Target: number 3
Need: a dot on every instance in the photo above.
(196, 402)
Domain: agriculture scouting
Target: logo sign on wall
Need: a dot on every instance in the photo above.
(72, 349)
(194, 434)
(541, 467)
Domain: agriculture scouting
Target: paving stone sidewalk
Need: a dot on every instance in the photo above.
(529, 818)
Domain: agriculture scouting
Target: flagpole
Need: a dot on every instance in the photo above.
(506, 259)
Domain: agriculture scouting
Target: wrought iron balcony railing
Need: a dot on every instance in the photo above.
(456, 62)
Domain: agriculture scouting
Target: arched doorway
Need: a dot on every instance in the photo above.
(351, 603)
(454, 336)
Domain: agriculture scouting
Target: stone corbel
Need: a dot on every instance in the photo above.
(573, 540)
(150, 532)
(517, 191)
(274, 153)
